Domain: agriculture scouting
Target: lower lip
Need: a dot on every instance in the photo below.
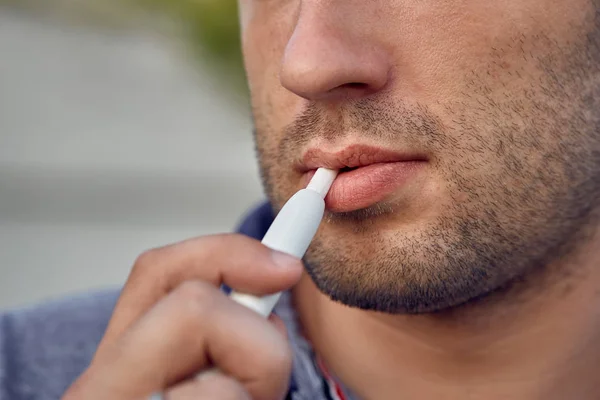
(366, 186)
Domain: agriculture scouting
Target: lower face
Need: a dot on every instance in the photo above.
(488, 129)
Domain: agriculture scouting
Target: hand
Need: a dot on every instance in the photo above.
(172, 321)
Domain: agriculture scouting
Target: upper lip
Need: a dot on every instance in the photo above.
(354, 156)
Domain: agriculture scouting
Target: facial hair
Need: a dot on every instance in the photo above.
(521, 173)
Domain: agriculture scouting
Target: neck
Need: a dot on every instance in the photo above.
(536, 340)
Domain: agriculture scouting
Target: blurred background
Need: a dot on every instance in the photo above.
(124, 125)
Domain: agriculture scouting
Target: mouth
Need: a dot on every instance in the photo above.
(367, 175)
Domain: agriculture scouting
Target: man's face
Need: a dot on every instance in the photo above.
(475, 124)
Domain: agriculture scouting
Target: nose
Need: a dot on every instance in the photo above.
(327, 58)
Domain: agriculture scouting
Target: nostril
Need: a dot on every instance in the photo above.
(351, 89)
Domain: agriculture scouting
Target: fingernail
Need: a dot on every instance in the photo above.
(284, 260)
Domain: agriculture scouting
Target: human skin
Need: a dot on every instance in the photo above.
(172, 322)
(474, 275)
(495, 231)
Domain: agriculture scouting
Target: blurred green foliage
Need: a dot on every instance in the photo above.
(209, 26)
(213, 31)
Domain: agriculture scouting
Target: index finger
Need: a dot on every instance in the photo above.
(241, 263)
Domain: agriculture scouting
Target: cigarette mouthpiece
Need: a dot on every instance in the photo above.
(322, 181)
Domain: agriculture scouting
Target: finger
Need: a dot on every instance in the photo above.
(239, 262)
(278, 324)
(214, 386)
(194, 327)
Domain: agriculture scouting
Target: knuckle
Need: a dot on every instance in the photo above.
(192, 306)
(276, 360)
(197, 296)
(145, 260)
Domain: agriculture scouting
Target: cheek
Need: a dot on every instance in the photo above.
(439, 46)
(499, 42)
(264, 36)
(267, 27)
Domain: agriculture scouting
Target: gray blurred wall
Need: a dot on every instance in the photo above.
(110, 143)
